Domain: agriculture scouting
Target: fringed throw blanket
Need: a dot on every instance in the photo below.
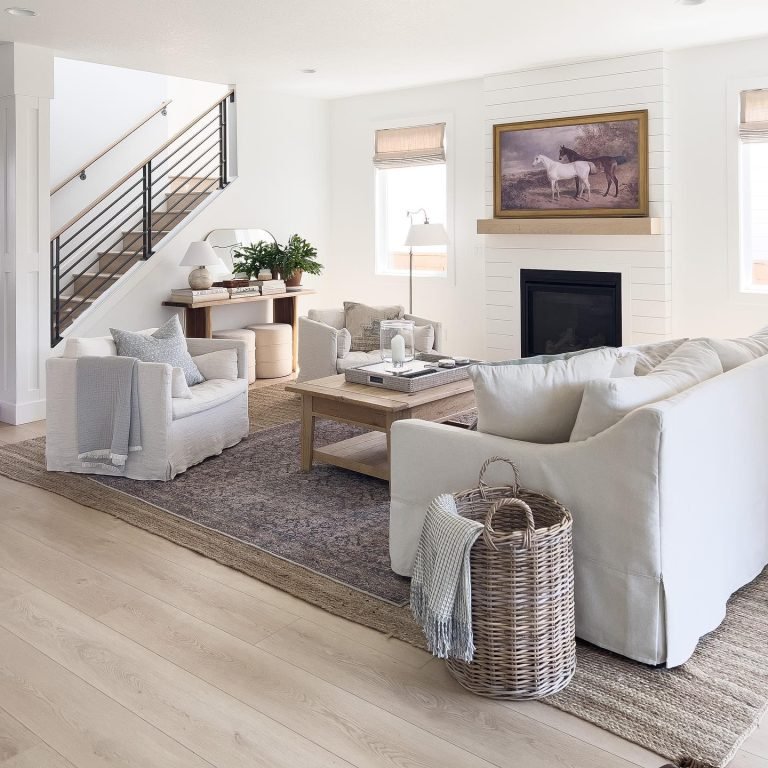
(108, 421)
(441, 591)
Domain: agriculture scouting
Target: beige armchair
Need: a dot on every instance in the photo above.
(320, 349)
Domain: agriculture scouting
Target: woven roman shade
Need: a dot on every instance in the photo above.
(753, 127)
(417, 145)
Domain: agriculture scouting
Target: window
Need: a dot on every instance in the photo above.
(753, 132)
(410, 175)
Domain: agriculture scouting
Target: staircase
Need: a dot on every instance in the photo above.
(127, 223)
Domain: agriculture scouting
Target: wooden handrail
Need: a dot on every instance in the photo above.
(84, 168)
(138, 167)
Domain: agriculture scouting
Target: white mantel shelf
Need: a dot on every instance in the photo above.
(585, 226)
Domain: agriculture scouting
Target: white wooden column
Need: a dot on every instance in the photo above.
(26, 88)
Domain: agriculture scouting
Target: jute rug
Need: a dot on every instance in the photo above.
(323, 537)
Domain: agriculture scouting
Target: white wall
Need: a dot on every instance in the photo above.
(26, 86)
(705, 294)
(93, 106)
(606, 85)
(456, 300)
(282, 186)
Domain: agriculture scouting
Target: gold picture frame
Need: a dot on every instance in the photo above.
(528, 182)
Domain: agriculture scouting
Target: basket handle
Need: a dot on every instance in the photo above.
(515, 487)
(494, 539)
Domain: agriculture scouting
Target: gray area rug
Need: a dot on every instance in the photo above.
(323, 537)
(329, 520)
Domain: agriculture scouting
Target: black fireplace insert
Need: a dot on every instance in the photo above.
(564, 311)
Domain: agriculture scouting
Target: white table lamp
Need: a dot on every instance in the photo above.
(421, 234)
(201, 255)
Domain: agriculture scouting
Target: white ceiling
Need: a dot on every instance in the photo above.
(360, 46)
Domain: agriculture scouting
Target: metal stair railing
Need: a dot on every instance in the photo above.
(118, 228)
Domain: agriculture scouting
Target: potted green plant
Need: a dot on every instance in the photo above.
(250, 259)
(298, 257)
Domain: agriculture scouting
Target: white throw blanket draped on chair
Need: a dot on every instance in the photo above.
(108, 420)
(441, 590)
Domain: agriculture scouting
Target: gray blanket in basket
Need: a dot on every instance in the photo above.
(108, 421)
(441, 589)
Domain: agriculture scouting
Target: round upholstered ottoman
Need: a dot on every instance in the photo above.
(274, 349)
(249, 337)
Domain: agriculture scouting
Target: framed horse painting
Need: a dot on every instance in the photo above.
(596, 165)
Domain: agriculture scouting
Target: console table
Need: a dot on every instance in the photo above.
(197, 317)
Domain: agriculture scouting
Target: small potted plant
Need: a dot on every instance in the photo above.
(299, 256)
(250, 259)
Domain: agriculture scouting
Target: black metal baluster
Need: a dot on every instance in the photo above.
(146, 205)
(223, 172)
(56, 290)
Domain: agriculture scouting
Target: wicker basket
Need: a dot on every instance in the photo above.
(522, 593)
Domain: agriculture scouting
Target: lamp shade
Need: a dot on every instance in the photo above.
(200, 254)
(426, 234)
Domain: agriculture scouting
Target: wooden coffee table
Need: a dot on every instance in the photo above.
(374, 409)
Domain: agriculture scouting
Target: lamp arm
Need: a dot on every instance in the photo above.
(411, 214)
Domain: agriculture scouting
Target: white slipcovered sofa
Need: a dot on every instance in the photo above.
(319, 345)
(670, 507)
(176, 432)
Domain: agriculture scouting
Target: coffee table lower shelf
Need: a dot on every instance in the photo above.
(366, 454)
(372, 409)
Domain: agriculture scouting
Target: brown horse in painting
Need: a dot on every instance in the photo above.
(605, 164)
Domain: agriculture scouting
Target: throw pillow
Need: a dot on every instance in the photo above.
(166, 345)
(650, 355)
(221, 364)
(363, 323)
(179, 386)
(607, 401)
(343, 343)
(736, 352)
(625, 364)
(536, 402)
(423, 338)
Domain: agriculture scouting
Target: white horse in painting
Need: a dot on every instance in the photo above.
(559, 171)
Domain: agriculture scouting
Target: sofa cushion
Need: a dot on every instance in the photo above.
(363, 322)
(356, 359)
(166, 345)
(736, 352)
(343, 342)
(650, 355)
(423, 338)
(96, 346)
(333, 317)
(536, 401)
(221, 364)
(607, 401)
(207, 395)
(179, 386)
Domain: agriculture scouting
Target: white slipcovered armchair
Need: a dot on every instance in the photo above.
(319, 344)
(176, 432)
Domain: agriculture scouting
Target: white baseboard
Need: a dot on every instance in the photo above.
(22, 413)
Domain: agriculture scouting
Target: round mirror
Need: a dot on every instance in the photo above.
(226, 241)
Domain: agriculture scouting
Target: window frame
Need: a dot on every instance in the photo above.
(742, 290)
(405, 122)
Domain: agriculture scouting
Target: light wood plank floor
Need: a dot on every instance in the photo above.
(118, 648)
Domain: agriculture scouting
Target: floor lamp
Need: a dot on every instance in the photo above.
(421, 234)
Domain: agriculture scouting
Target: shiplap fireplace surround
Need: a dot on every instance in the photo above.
(643, 260)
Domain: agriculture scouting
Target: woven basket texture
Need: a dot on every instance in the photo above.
(523, 617)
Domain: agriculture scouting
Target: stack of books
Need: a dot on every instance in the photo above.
(269, 286)
(241, 291)
(192, 296)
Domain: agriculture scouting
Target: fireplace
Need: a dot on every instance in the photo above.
(564, 311)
